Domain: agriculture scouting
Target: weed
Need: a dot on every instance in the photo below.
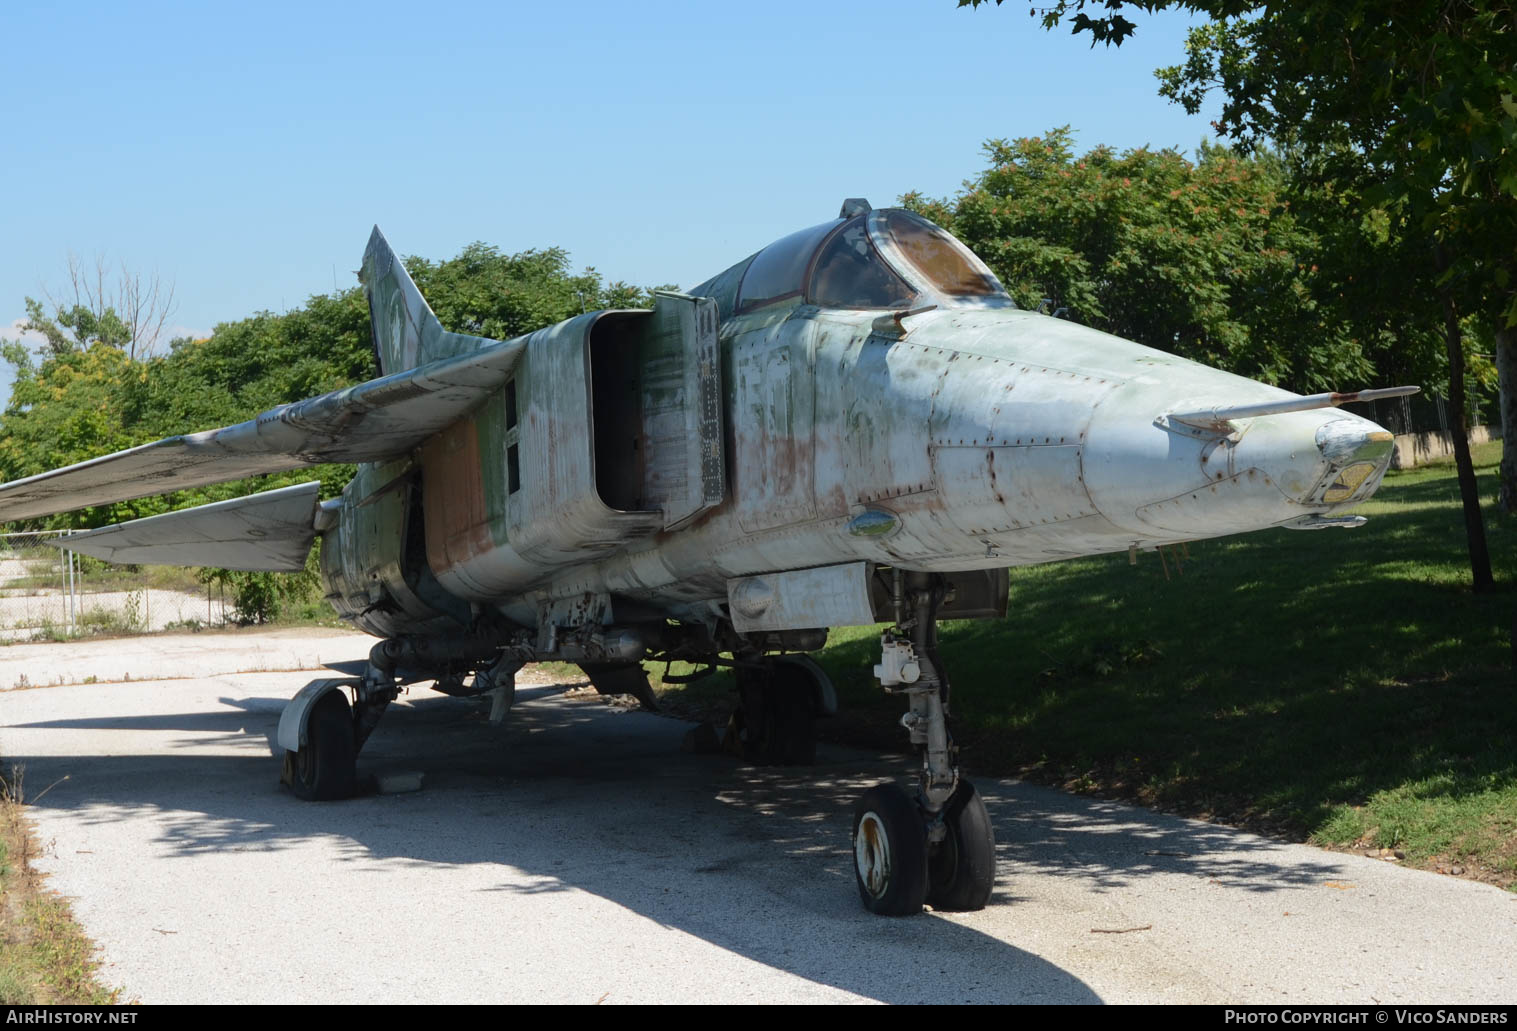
(133, 616)
(44, 956)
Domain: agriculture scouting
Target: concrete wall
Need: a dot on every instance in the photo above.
(1413, 449)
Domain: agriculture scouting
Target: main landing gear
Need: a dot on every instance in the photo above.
(322, 733)
(936, 845)
(321, 758)
(779, 700)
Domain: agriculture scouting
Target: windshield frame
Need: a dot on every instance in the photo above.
(792, 262)
(914, 295)
(901, 260)
(777, 265)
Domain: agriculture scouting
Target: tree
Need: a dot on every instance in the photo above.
(495, 295)
(128, 314)
(1416, 99)
(67, 409)
(1206, 259)
(1409, 101)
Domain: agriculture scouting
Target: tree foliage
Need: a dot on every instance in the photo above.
(1414, 99)
(1224, 260)
(495, 295)
(128, 313)
(1413, 103)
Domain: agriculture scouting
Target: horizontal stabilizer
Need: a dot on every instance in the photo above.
(383, 418)
(269, 532)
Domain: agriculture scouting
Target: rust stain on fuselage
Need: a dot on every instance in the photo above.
(453, 497)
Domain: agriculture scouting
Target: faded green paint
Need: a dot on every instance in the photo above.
(364, 561)
(490, 427)
(406, 333)
(679, 388)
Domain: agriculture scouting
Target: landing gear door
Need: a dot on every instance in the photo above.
(685, 472)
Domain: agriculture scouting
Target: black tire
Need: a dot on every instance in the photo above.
(962, 867)
(326, 768)
(776, 716)
(824, 696)
(889, 852)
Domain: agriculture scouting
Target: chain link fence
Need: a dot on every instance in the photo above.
(1422, 413)
(48, 592)
(1423, 425)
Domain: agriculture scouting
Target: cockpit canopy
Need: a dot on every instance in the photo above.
(884, 259)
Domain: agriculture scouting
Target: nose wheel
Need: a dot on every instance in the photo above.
(936, 846)
(898, 867)
(890, 852)
(961, 868)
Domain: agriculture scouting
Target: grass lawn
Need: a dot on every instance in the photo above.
(1344, 687)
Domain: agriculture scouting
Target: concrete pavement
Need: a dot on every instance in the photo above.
(577, 855)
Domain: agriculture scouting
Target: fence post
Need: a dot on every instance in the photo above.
(71, 608)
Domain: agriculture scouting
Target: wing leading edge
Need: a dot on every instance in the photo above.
(383, 418)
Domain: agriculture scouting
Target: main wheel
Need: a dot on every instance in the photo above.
(962, 867)
(776, 716)
(890, 851)
(326, 767)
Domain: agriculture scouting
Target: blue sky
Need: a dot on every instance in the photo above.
(243, 152)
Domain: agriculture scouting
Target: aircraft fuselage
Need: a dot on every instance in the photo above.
(965, 438)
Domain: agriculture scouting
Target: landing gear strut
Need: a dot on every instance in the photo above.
(322, 734)
(773, 722)
(936, 846)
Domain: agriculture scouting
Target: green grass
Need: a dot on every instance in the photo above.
(100, 576)
(1345, 687)
(44, 956)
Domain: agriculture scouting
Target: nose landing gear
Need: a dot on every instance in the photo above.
(937, 846)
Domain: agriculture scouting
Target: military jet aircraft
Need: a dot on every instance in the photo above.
(853, 426)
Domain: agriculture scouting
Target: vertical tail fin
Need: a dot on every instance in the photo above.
(406, 333)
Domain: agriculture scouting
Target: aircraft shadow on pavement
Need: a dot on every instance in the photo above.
(1111, 845)
(578, 796)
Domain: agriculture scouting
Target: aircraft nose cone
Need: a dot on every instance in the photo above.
(1181, 482)
(1318, 458)
(1359, 452)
